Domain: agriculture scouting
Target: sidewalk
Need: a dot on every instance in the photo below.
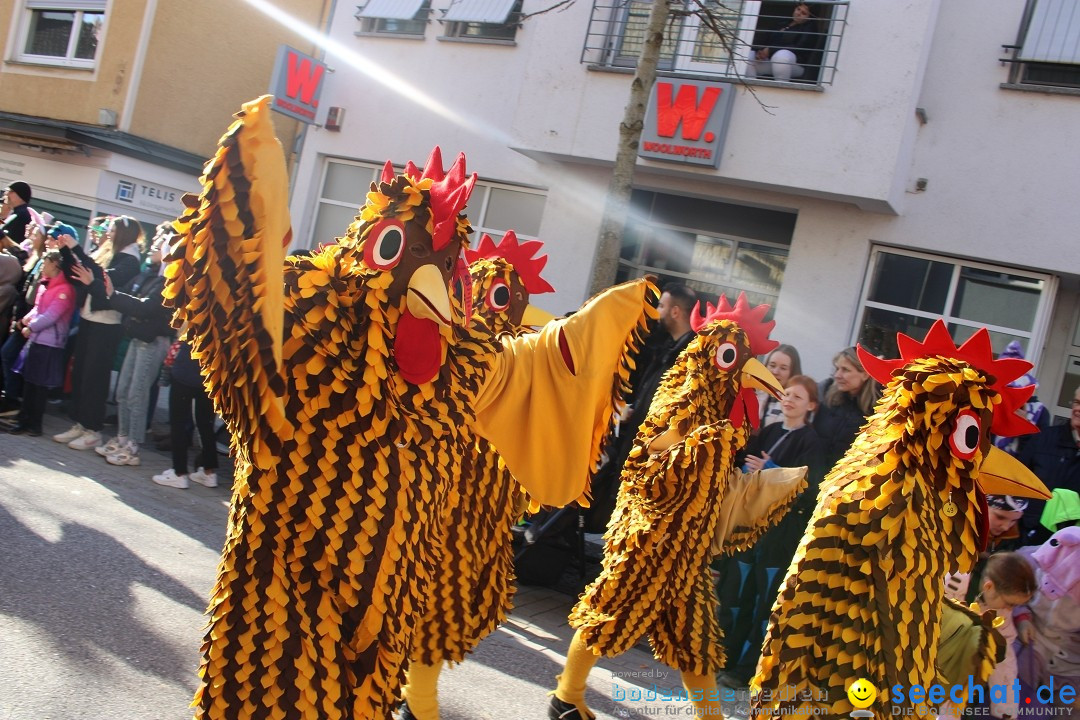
(509, 674)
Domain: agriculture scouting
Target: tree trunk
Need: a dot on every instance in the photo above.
(606, 260)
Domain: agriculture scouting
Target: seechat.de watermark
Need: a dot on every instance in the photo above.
(917, 700)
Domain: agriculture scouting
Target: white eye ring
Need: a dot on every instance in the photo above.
(726, 355)
(966, 436)
(383, 255)
(498, 301)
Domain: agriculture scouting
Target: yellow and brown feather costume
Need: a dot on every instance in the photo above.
(905, 505)
(345, 387)
(474, 584)
(671, 503)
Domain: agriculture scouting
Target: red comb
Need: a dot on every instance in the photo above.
(449, 192)
(750, 319)
(976, 352)
(522, 256)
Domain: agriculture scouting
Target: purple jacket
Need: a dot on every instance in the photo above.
(50, 318)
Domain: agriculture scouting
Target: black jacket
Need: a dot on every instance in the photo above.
(122, 269)
(801, 446)
(14, 226)
(143, 305)
(805, 40)
(837, 425)
(1054, 457)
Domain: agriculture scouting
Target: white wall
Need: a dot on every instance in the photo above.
(1001, 165)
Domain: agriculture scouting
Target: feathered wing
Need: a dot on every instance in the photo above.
(753, 503)
(224, 276)
(550, 397)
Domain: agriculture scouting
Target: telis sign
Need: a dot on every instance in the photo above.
(296, 84)
(686, 121)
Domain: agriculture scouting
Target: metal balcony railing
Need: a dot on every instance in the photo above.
(720, 39)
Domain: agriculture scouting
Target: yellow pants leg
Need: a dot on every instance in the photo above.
(704, 687)
(579, 662)
(421, 690)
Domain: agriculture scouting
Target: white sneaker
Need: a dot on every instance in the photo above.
(169, 478)
(201, 476)
(89, 439)
(126, 454)
(111, 447)
(67, 436)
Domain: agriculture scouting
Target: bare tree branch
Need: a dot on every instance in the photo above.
(560, 6)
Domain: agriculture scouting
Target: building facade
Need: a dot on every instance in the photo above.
(917, 166)
(112, 106)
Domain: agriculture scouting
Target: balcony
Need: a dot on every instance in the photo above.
(706, 38)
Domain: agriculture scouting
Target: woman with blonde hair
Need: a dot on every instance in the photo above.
(99, 331)
(848, 398)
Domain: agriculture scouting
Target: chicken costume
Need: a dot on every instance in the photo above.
(345, 378)
(863, 598)
(679, 504)
(473, 587)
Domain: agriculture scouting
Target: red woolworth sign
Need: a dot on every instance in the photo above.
(686, 121)
(296, 84)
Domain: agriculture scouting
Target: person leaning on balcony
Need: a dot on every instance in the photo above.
(784, 54)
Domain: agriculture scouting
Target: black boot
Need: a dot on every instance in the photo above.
(559, 710)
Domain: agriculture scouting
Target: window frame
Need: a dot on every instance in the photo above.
(1036, 337)
(1023, 71)
(477, 210)
(78, 8)
(378, 26)
(636, 267)
(607, 35)
(487, 32)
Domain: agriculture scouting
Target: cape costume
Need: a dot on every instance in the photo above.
(680, 503)
(863, 598)
(346, 378)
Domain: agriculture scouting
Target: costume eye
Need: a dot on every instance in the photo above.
(965, 437)
(498, 297)
(384, 245)
(726, 355)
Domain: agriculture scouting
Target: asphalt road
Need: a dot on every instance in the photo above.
(104, 578)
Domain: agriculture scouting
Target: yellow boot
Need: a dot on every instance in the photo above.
(568, 702)
(421, 691)
(703, 694)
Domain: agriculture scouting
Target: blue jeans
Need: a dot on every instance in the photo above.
(8, 355)
(142, 363)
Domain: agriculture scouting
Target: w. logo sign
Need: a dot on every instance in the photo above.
(686, 121)
(296, 84)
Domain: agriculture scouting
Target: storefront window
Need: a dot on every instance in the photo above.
(493, 208)
(906, 292)
(715, 257)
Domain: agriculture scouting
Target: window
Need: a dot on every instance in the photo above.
(694, 242)
(906, 292)
(483, 19)
(394, 17)
(714, 38)
(59, 32)
(493, 208)
(1047, 51)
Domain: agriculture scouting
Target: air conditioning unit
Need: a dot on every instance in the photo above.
(335, 116)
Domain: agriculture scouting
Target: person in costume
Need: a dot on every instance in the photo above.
(749, 580)
(863, 598)
(678, 503)
(473, 587)
(345, 378)
(1048, 626)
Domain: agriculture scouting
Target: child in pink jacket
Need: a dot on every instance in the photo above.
(46, 330)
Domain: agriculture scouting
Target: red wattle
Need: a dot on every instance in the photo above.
(745, 406)
(417, 348)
